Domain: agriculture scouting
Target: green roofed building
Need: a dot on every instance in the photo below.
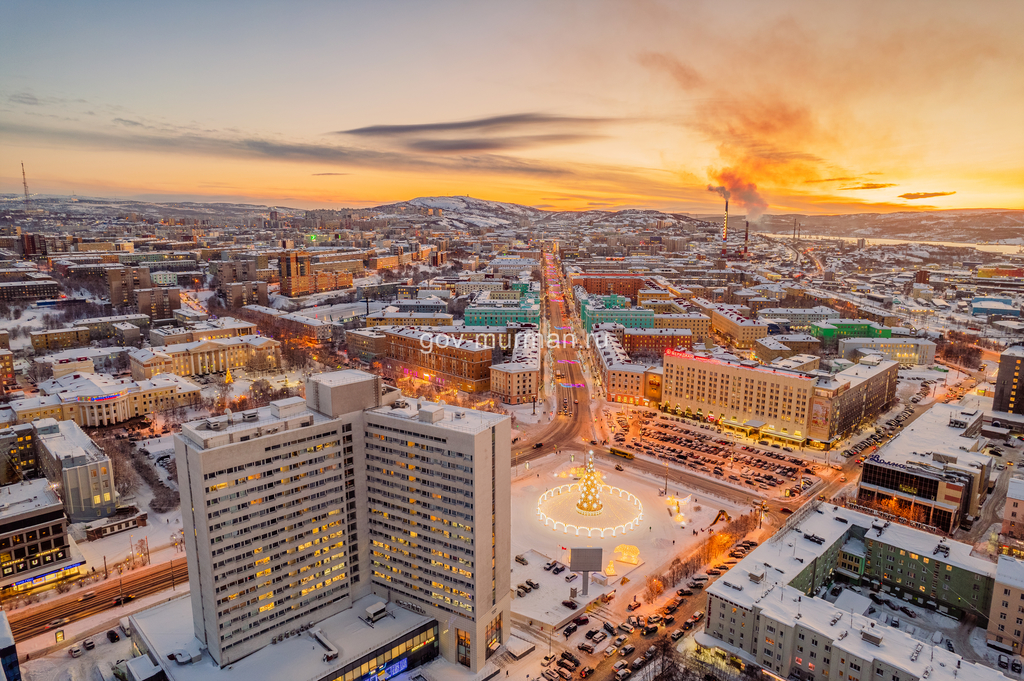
(830, 332)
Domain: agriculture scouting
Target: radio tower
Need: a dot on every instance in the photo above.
(24, 183)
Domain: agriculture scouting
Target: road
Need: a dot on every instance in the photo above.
(32, 621)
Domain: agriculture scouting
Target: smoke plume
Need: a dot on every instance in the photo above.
(741, 191)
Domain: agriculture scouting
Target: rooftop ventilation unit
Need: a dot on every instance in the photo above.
(871, 637)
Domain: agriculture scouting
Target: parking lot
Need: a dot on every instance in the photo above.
(703, 449)
(598, 644)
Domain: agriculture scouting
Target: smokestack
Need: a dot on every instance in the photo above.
(725, 226)
(746, 237)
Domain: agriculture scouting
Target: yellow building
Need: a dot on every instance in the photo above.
(59, 339)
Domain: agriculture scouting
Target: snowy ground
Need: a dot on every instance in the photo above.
(333, 313)
(665, 536)
(30, 320)
(58, 665)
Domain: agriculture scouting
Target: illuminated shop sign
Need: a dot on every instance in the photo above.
(103, 398)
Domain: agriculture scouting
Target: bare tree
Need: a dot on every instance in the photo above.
(653, 588)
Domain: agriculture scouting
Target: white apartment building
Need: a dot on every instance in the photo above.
(801, 316)
(296, 510)
(906, 351)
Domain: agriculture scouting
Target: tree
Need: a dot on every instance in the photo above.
(260, 392)
(126, 478)
(40, 372)
(653, 588)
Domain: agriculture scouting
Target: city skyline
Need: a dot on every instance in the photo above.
(791, 107)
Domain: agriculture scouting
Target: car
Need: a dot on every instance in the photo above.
(88, 644)
(86, 596)
(649, 629)
(559, 569)
(538, 445)
(566, 664)
(633, 606)
(1004, 661)
(654, 619)
(75, 651)
(564, 673)
(550, 565)
(599, 636)
(572, 605)
(626, 627)
(623, 674)
(895, 622)
(677, 634)
(619, 640)
(58, 622)
(586, 671)
(581, 620)
(533, 584)
(621, 664)
(638, 663)
(113, 636)
(684, 592)
(586, 647)
(609, 627)
(619, 467)
(669, 619)
(1015, 666)
(521, 560)
(569, 630)
(590, 634)
(907, 611)
(550, 675)
(571, 577)
(524, 587)
(548, 659)
(626, 650)
(566, 655)
(121, 600)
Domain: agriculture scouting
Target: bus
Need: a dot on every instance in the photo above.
(621, 452)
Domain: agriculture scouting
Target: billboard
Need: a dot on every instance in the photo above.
(586, 560)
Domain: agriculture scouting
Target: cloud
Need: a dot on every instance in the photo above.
(685, 76)
(522, 120)
(325, 174)
(924, 195)
(868, 185)
(128, 123)
(183, 142)
(837, 179)
(511, 132)
(494, 143)
(26, 98)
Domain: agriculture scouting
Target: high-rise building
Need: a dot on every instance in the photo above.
(124, 281)
(1009, 397)
(158, 303)
(296, 510)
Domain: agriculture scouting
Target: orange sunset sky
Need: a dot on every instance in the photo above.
(811, 107)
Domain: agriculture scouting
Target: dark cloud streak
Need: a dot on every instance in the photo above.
(493, 123)
(868, 185)
(924, 195)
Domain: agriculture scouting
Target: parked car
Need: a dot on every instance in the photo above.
(677, 634)
(75, 651)
(88, 644)
(112, 636)
(1004, 661)
(581, 620)
(633, 606)
(521, 560)
(626, 650)
(569, 630)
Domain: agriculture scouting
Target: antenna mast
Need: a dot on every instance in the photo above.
(24, 183)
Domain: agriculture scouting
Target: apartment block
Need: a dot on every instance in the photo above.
(122, 282)
(158, 303)
(20, 461)
(107, 327)
(782, 346)
(28, 290)
(78, 468)
(517, 381)
(444, 360)
(433, 540)
(656, 341)
(241, 293)
(60, 339)
(1009, 396)
(1006, 619)
(764, 613)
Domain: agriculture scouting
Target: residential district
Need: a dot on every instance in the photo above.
(422, 442)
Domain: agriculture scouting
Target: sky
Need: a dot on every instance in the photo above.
(786, 106)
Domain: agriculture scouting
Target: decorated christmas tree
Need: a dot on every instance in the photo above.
(590, 490)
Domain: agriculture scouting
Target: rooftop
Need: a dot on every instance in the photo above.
(168, 629)
(231, 428)
(439, 415)
(27, 496)
(66, 441)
